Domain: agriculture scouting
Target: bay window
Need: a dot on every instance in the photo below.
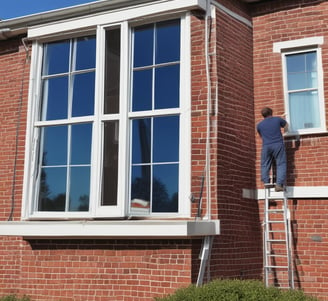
(106, 118)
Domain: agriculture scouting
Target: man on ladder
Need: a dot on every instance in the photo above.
(273, 147)
(277, 227)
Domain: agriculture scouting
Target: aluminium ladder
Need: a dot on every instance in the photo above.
(278, 264)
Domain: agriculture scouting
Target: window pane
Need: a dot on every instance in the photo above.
(302, 70)
(54, 146)
(52, 194)
(112, 71)
(79, 189)
(141, 140)
(142, 90)
(85, 53)
(304, 110)
(140, 189)
(166, 139)
(165, 188)
(56, 57)
(55, 98)
(143, 46)
(110, 163)
(167, 87)
(168, 41)
(83, 94)
(81, 144)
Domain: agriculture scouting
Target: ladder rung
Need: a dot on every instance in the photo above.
(276, 198)
(276, 210)
(276, 240)
(277, 256)
(276, 266)
(276, 222)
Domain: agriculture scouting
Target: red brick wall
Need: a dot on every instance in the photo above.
(14, 74)
(94, 270)
(276, 21)
(238, 252)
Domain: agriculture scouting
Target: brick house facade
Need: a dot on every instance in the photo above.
(231, 62)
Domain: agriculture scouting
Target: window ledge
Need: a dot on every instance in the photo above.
(110, 229)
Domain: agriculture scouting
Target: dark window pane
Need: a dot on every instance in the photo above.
(167, 87)
(56, 57)
(142, 90)
(141, 140)
(165, 188)
(54, 145)
(112, 71)
(83, 94)
(166, 139)
(168, 41)
(81, 144)
(52, 196)
(110, 163)
(143, 46)
(79, 189)
(85, 53)
(55, 98)
(140, 189)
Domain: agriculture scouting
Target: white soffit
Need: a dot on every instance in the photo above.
(115, 16)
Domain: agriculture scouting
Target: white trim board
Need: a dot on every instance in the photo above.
(136, 229)
(293, 192)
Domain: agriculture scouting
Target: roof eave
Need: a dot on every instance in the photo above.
(18, 26)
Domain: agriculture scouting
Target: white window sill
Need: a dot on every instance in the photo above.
(110, 229)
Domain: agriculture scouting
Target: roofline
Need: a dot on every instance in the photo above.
(18, 26)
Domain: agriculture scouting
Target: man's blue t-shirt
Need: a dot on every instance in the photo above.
(270, 129)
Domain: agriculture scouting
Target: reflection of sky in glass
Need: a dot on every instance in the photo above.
(54, 145)
(168, 41)
(83, 94)
(56, 59)
(302, 70)
(86, 53)
(81, 143)
(66, 149)
(143, 46)
(79, 189)
(166, 139)
(55, 98)
(142, 90)
(167, 87)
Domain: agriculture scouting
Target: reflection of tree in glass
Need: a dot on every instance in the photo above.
(161, 199)
(56, 203)
(84, 203)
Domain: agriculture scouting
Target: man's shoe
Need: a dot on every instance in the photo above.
(278, 188)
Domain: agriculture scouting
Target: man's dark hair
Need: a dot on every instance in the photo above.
(266, 112)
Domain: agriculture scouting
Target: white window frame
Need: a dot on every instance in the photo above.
(303, 46)
(44, 34)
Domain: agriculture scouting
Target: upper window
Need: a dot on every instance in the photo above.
(106, 125)
(303, 82)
